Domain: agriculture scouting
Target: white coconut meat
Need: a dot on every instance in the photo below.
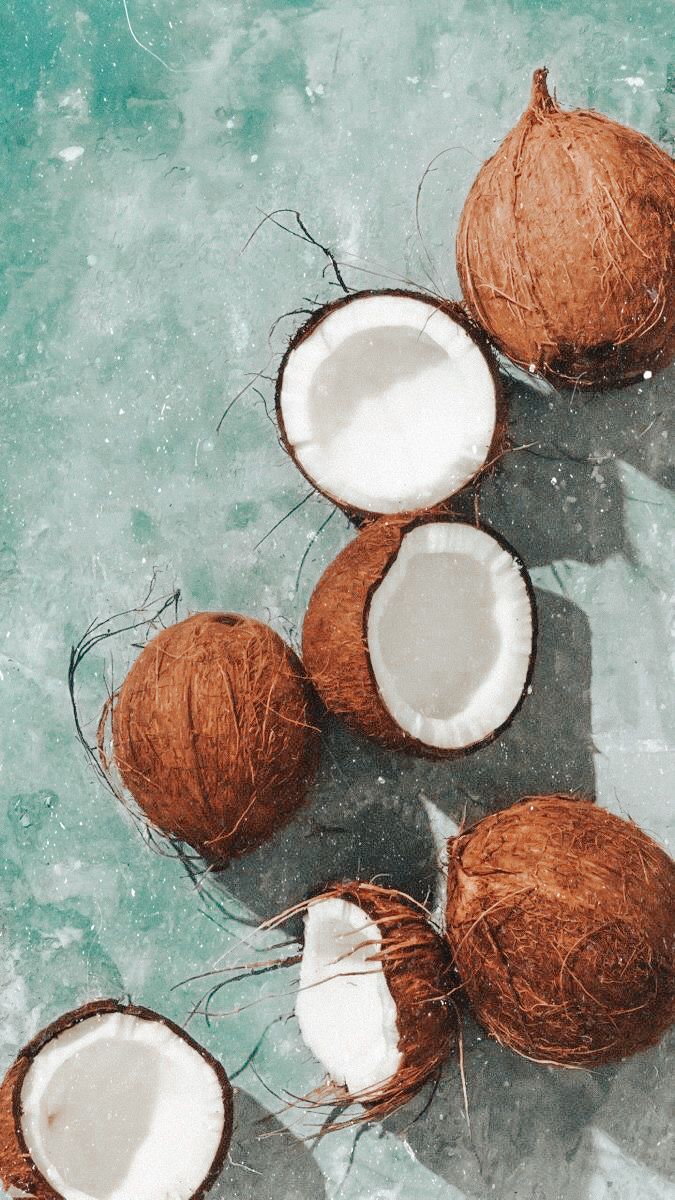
(346, 1012)
(450, 633)
(388, 404)
(118, 1107)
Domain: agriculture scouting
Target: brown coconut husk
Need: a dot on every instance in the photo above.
(213, 733)
(419, 975)
(335, 645)
(561, 920)
(565, 248)
(17, 1169)
(500, 438)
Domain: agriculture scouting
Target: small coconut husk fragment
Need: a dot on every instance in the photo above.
(565, 248)
(417, 969)
(18, 1170)
(213, 733)
(335, 644)
(561, 921)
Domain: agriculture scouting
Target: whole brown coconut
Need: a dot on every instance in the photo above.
(213, 733)
(565, 248)
(416, 966)
(338, 650)
(87, 1118)
(561, 919)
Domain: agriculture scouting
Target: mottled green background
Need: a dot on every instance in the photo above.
(129, 318)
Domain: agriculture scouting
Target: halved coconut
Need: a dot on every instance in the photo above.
(390, 401)
(421, 635)
(373, 998)
(114, 1102)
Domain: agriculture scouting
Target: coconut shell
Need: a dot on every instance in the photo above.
(213, 733)
(17, 1168)
(335, 643)
(418, 971)
(500, 439)
(565, 248)
(561, 920)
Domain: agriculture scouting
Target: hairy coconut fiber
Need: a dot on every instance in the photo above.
(335, 645)
(418, 972)
(565, 247)
(213, 733)
(561, 919)
(17, 1169)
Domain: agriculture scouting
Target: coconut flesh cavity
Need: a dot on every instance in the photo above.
(388, 401)
(450, 635)
(421, 636)
(119, 1105)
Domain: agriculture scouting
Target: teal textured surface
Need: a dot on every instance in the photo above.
(141, 144)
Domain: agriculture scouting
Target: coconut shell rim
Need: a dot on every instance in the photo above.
(24, 1059)
(411, 744)
(458, 312)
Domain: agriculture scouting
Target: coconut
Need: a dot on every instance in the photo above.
(113, 1102)
(421, 635)
(565, 246)
(390, 401)
(213, 733)
(373, 1000)
(561, 920)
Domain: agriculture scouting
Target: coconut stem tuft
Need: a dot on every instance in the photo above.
(541, 100)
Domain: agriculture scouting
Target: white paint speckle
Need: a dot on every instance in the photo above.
(647, 375)
(71, 153)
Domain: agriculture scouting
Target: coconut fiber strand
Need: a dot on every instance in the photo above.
(561, 918)
(565, 248)
(213, 733)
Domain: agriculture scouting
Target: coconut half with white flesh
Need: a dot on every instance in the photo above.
(390, 402)
(421, 635)
(373, 1003)
(114, 1102)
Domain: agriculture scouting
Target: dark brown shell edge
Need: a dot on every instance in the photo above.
(14, 1154)
(462, 316)
(349, 658)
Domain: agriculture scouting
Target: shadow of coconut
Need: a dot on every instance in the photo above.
(363, 820)
(262, 1167)
(527, 1123)
(644, 1085)
(560, 498)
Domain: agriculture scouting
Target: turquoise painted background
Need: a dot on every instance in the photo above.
(130, 315)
